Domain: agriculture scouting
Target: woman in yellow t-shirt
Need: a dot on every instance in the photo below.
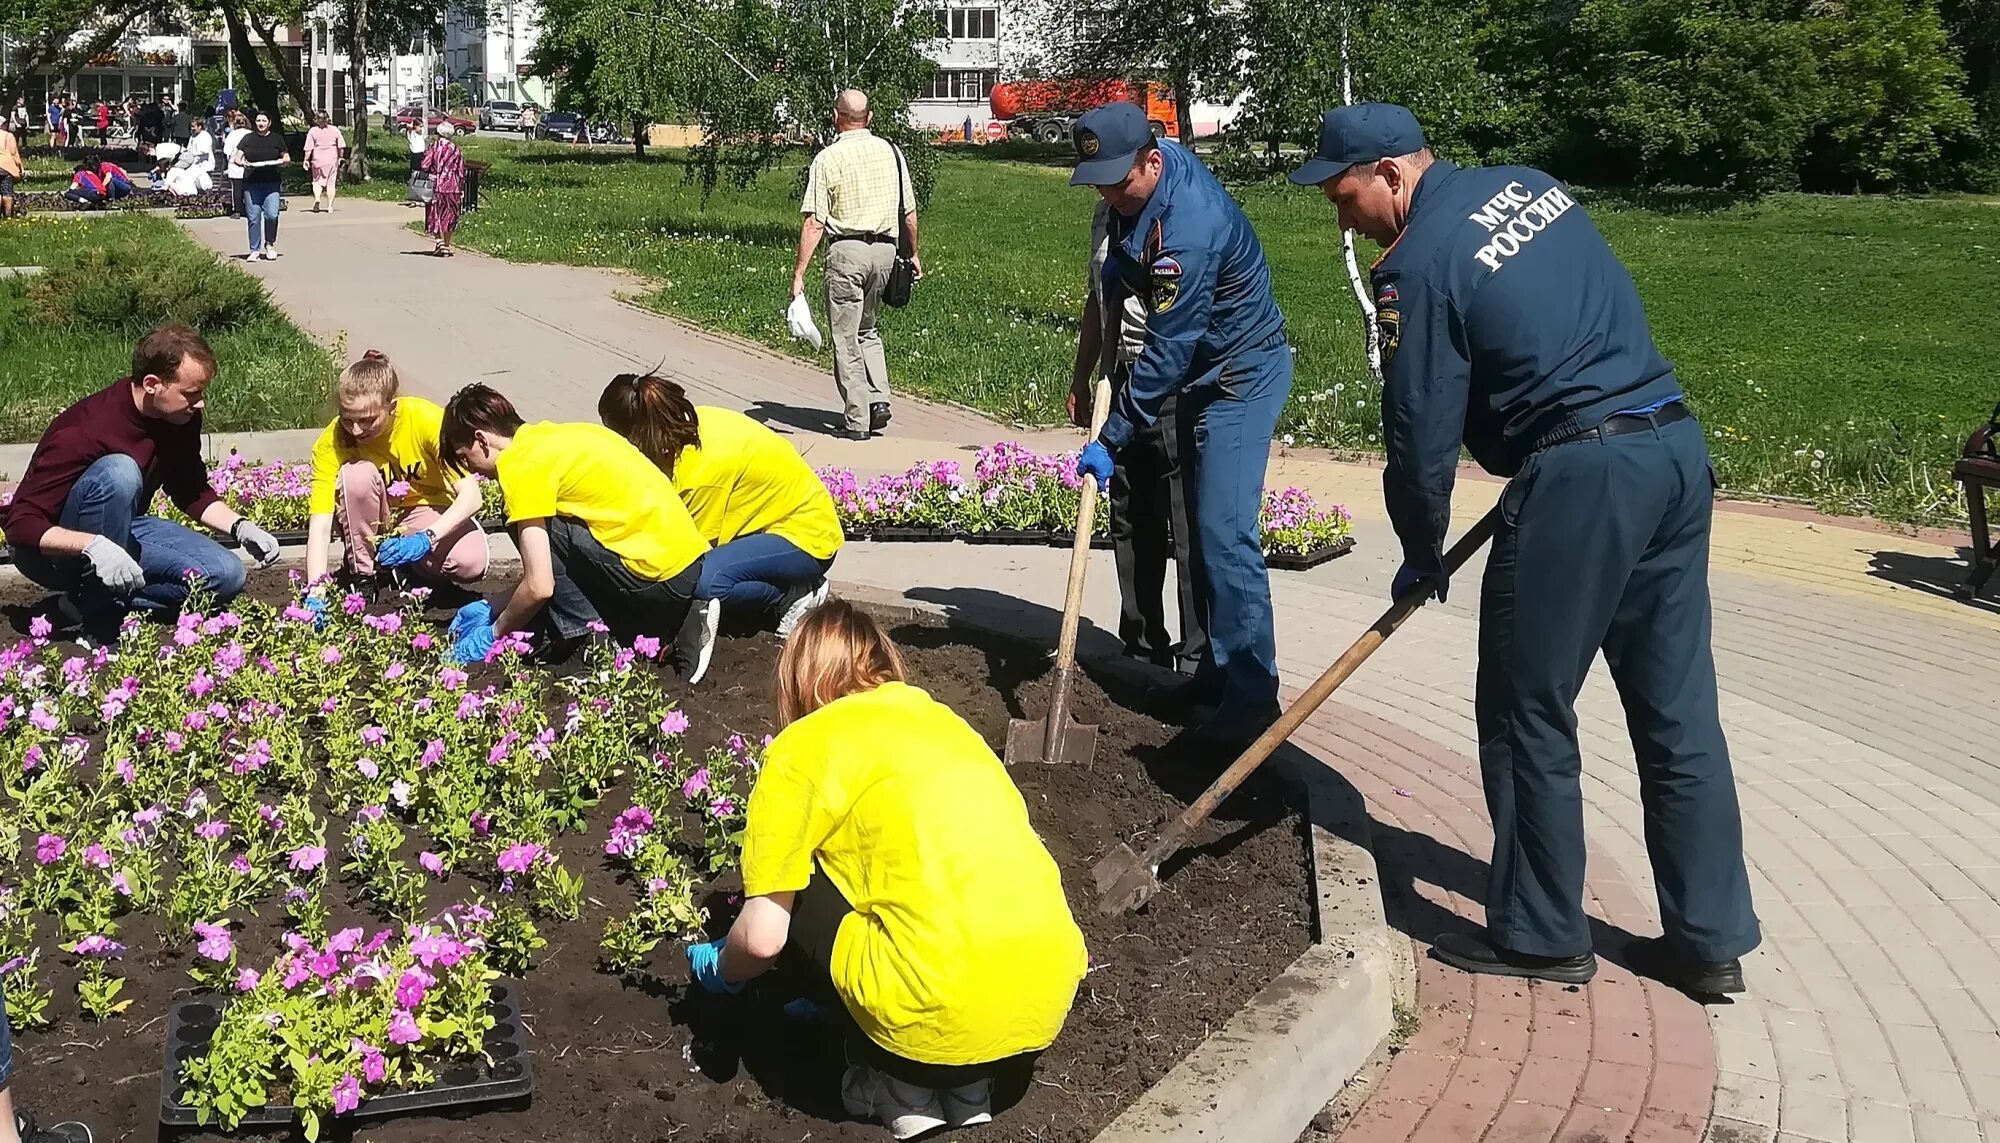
(888, 854)
(752, 495)
(376, 472)
(605, 541)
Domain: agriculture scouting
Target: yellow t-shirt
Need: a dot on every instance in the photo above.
(961, 948)
(408, 451)
(596, 477)
(744, 479)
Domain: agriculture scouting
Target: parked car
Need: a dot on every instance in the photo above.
(501, 115)
(412, 113)
(562, 125)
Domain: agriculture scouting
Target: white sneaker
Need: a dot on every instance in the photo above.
(268, 256)
(907, 1111)
(968, 1105)
(798, 608)
(696, 642)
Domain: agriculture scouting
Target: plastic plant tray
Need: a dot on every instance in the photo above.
(1300, 561)
(460, 1085)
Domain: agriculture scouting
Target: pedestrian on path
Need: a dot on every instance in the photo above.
(1215, 339)
(58, 123)
(882, 826)
(378, 477)
(17, 119)
(767, 513)
(103, 122)
(263, 157)
(79, 522)
(239, 130)
(1527, 344)
(859, 196)
(605, 542)
(414, 136)
(445, 163)
(180, 125)
(326, 147)
(1151, 494)
(10, 169)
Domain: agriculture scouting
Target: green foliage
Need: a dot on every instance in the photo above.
(125, 291)
(208, 85)
(1899, 103)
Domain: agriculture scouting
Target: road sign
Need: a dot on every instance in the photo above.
(996, 130)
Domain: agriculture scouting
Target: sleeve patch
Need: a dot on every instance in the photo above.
(1166, 275)
(1388, 332)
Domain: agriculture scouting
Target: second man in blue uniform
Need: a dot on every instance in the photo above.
(1215, 338)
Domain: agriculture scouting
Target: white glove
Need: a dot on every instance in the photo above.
(799, 318)
(262, 546)
(115, 567)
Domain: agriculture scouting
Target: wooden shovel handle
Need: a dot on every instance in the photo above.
(1086, 519)
(1170, 839)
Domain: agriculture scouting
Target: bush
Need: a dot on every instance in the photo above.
(130, 290)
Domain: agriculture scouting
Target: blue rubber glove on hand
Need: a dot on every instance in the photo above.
(399, 550)
(1096, 461)
(474, 645)
(478, 613)
(705, 962)
(1408, 578)
(318, 606)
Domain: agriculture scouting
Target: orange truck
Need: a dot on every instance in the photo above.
(1046, 109)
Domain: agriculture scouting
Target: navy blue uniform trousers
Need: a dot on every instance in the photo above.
(1604, 544)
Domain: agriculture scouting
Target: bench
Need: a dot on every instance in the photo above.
(1978, 468)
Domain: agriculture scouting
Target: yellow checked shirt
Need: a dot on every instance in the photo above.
(961, 948)
(596, 477)
(851, 186)
(408, 451)
(743, 479)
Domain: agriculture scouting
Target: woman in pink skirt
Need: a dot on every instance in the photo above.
(325, 148)
(446, 165)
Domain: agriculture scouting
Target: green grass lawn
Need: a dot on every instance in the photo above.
(1835, 347)
(270, 375)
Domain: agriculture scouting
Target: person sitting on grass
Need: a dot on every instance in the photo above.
(86, 189)
(79, 521)
(753, 496)
(889, 863)
(117, 184)
(377, 475)
(605, 541)
(18, 1126)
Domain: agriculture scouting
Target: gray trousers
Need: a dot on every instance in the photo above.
(856, 273)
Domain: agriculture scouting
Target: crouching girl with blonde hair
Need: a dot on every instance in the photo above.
(888, 857)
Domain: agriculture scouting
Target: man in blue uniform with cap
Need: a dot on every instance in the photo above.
(1510, 327)
(1215, 338)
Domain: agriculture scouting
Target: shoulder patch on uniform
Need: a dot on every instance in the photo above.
(1166, 274)
(1388, 332)
(1387, 296)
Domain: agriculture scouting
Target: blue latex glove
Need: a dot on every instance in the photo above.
(1408, 578)
(399, 550)
(474, 645)
(705, 962)
(318, 606)
(1096, 461)
(478, 613)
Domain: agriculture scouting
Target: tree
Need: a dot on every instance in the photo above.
(1901, 101)
(62, 36)
(374, 28)
(621, 60)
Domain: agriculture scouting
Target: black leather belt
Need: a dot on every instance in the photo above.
(871, 239)
(1617, 424)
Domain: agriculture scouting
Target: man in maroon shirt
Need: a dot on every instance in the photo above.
(78, 523)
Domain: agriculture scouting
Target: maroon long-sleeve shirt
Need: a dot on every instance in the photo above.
(108, 421)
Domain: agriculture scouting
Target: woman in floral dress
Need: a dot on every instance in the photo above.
(446, 166)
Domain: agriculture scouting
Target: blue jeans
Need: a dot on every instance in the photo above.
(757, 571)
(260, 206)
(1230, 419)
(106, 501)
(6, 1048)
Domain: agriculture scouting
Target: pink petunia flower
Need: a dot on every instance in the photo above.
(431, 863)
(307, 858)
(216, 943)
(520, 857)
(403, 1028)
(49, 848)
(247, 980)
(346, 1094)
(676, 722)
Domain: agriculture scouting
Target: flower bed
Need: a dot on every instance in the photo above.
(349, 838)
(207, 204)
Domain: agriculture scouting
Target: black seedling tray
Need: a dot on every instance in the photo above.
(1039, 536)
(510, 1079)
(1098, 542)
(1290, 561)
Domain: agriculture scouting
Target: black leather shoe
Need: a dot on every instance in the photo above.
(1656, 959)
(1470, 952)
(1234, 730)
(853, 434)
(878, 416)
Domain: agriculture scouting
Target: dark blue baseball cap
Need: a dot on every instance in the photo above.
(1360, 133)
(1107, 139)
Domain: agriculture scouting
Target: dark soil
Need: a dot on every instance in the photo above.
(657, 1061)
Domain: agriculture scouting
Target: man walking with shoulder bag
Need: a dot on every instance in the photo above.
(859, 196)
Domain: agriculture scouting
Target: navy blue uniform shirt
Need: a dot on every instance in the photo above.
(1192, 257)
(1504, 317)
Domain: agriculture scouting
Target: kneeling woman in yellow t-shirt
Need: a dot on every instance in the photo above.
(603, 536)
(376, 472)
(752, 495)
(888, 852)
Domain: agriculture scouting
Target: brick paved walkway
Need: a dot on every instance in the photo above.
(1859, 704)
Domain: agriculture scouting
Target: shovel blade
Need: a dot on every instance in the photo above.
(1123, 882)
(1027, 741)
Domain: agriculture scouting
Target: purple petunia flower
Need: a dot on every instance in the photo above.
(216, 943)
(49, 848)
(676, 722)
(346, 1094)
(247, 980)
(307, 858)
(520, 857)
(431, 863)
(403, 1028)
(98, 945)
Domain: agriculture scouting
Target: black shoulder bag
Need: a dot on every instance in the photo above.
(902, 275)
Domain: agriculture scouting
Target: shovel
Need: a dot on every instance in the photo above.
(1058, 738)
(1127, 880)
